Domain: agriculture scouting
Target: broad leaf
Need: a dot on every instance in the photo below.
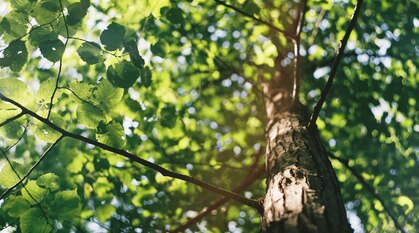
(34, 221)
(89, 115)
(15, 206)
(113, 135)
(76, 13)
(90, 53)
(52, 49)
(134, 54)
(65, 202)
(33, 193)
(113, 36)
(15, 56)
(123, 74)
(49, 181)
(104, 212)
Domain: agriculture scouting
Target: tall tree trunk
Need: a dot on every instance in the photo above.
(303, 193)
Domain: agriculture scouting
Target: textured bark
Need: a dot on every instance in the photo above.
(303, 193)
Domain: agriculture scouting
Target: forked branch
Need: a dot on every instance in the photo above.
(249, 202)
(335, 65)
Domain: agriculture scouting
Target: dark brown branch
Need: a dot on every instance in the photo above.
(296, 42)
(246, 183)
(11, 119)
(335, 64)
(31, 169)
(369, 188)
(270, 25)
(252, 203)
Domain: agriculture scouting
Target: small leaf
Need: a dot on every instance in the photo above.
(175, 15)
(406, 201)
(15, 206)
(7, 176)
(108, 96)
(90, 53)
(113, 36)
(134, 54)
(15, 56)
(49, 181)
(161, 48)
(52, 49)
(123, 74)
(168, 116)
(76, 12)
(65, 202)
(104, 212)
(145, 77)
(35, 192)
(89, 115)
(113, 135)
(33, 221)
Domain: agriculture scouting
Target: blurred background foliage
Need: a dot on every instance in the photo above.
(200, 111)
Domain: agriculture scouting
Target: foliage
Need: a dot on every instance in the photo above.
(178, 83)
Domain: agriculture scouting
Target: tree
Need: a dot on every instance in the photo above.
(155, 116)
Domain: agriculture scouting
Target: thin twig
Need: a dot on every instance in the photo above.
(31, 169)
(11, 119)
(296, 42)
(60, 62)
(369, 188)
(335, 64)
(249, 202)
(286, 34)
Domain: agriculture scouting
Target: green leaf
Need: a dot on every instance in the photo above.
(43, 96)
(15, 206)
(51, 5)
(7, 176)
(123, 74)
(13, 130)
(161, 48)
(113, 36)
(41, 34)
(107, 96)
(104, 212)
(90, 53)
(49, 181)
(65, 202)
(89, 115)
(175, 15)
(45, 11)
(52, 49)
(76, 13)
(406, 201)
(18, 91)
(145, 77)
(82, 89)
(168, 116)
(14, 24)
(113, 135)
(134, 54)
(15, 56)
(48, 134)
(33, 191)
(33, 221)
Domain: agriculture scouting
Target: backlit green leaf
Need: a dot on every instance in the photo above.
(15, 206)
(89, 115)
(104, 212)
(49, 181)
(33, 193)
(113, 135)
(90, 53)
(34, 221)
(76, 12)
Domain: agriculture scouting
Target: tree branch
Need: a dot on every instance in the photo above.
(11, 119)
(246, 183)
(283, 32)
(252, 203)
(296, 42)
(31, 169)
(61, 60)
(335, 64)
(369, 188)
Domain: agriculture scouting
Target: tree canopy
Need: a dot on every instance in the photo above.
(140, 116)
